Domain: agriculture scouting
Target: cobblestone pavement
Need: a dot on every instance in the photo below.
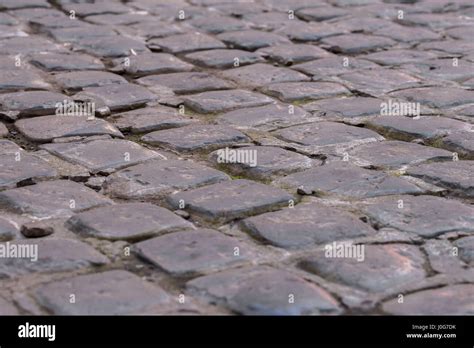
(247, 157)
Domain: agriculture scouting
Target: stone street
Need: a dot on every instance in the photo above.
(269, 157)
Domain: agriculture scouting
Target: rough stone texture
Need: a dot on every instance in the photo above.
(66, 62)
(51, 199)
(151, 63)
(346, 107)
(306, 225)
(34, 103)
(266, 291)
(129, 221)
(158, 177)
(427, 216)
(7, 230)
(184, 43)
(289, 54)
(438, 97)
(331, 66)
(298, 91)
(251, 39)
(356, 43)
(344, 179)
(231, 200)
(77, 80)
(189, 253)
(223, 58)
(383, 267)
(461, 143)
(112, 292)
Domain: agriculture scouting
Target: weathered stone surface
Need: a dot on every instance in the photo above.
(427, 216)
(77, 80)
(438, 97)
(66, 62)
(408, 128)
(149, 119)
(37, 229)
(111, 292)
(190, 253)
(223, 58)
(268, 21)
(92, 35)
(7, 308)
(218, 24)
(34, 103)
(102, 155)
(383, 268)
(51, 199)
(20, 167)
(186, 82)
(396, 154)
(289, 54)
(257, 75)
(53, 255)
(46, 128)
(443, 69)
(346, 180)
(321, 68)
(185, 43)
(442, 256)
(231, 200)
(326, 134)
(261, 162)
(265, 291)
(110, 46)
(346, 107)
(7, 230)
(356, 43)
(220, 101)
(151, 29)
(158, 177)
(3, 130)
(322, 13)
(466, 249)
(251, 39)
(151, 63)
(195, 137)
(303, 32)
(28, 45)
(407, 34)
(301, 91)
(117, 97)
(448, 300)
(306, 225)
(398, 57)
(267, 117)
(460, 142)
(128, 221)
(456, 176)
(15, 80)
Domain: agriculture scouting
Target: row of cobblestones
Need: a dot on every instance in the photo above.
(134, 211)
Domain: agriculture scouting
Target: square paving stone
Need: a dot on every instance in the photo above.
(151, 63)
(149, 119)
(14, 80)
(186, 82)
(33, 103)
(231, 200)
(318, 135)
(321, 68)
(223, 58)
(302, 91)
(456, 300)
(88, 34)
(46, 128)
(289, 54)
(396, 154)
(398, 57)
(110, 46)
(306, 225)
(384, 267)
(194, 252)
(257, 75)
(346, 107)
(218, 24)
(129, 221)
(220, 101)
(117, 97)
(438, 97)
(321, 13)
(460, 142)
(407, 128)
(268, 21)
(65, 62)
(356, 43)
(265, 291)
(407, 34)
(53, 255)
(150, 29)
(102, 154)
(28, 45)
(427, 216)
(261, 162)
(57, 198)
(346, 180)
(442, 69)
(77, 80)
(158, 177)
(455, 176)
(20, 167)
(113, 292)
(196, 137)
(251, 39)
(185, 43)
(267, 117)
(85, 9)
(377, 82)
(300, 31)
